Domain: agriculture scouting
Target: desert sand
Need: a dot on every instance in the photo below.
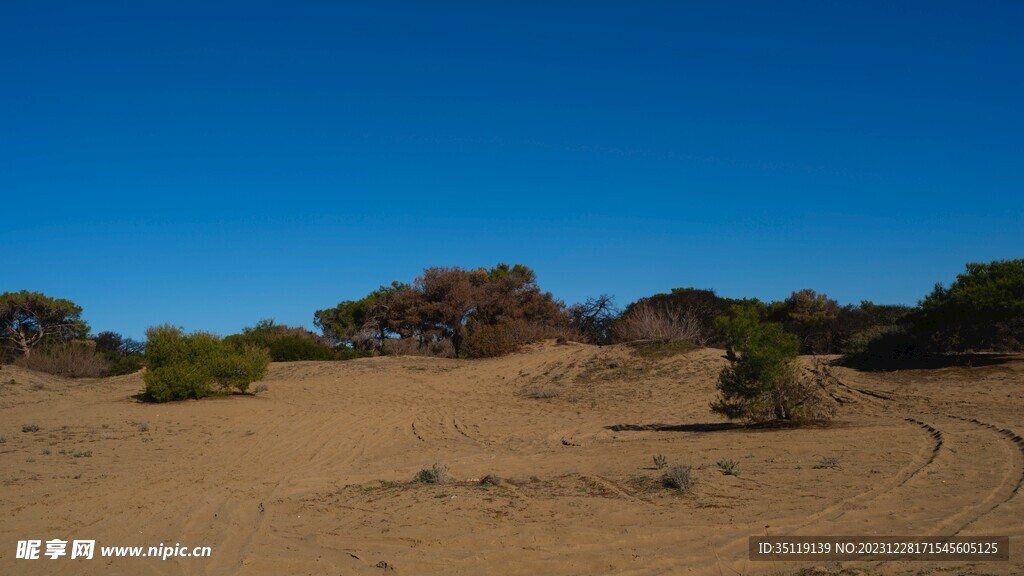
(312, 475)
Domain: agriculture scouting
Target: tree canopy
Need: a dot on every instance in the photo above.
(983, 309)
(30, 319)
(447, 304)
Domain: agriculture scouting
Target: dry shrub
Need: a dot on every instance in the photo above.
(660, 322)
(436, 474)
(73, 360)
(679, 478)
(492, 340)
(563, 334)
(796, 397)
(414, 347)
(542, 393)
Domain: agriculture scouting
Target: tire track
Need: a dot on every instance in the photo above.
(935, 433)
(1016, 441)
(927, 457)
(935, 501)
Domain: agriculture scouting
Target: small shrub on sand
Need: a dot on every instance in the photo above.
(679, 478)
(729, 467)
(490, 480)
(660, 461)
(830, 462)
(28, 428)
(542, 393)
(436, 474)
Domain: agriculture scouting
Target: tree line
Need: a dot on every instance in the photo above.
(482, 312)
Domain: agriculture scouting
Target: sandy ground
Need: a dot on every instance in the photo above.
(311, 476)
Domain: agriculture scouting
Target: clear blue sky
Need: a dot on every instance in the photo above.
(210, 164)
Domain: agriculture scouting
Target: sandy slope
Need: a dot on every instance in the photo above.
(309, 477)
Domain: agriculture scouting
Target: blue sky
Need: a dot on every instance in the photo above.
(210, 164)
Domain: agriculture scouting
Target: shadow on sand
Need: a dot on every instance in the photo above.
(703, 427)
(933, 362)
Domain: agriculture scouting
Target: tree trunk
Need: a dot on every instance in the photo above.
(22, 343)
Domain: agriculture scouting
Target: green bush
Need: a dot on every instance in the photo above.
(126, 365)
(888, 346)
(857, 344)
(292, 348)
(762, 382)
(197, 365)
(290, 344)
(982, 310)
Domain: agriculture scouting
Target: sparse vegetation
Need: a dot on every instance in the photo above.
(827, 462)
(436, 474)
(660, 461)
(679, 478)
(490, 480)
(729, 467)
(29, 428)
(542, 393)
(661, 349)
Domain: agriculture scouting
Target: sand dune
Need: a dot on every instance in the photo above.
(311, 477)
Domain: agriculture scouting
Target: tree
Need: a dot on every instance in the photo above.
(449, 296)
(762, 382)
(510, 294)
(983, 309)
(343, 322)
(29, 319)
(502, 305)
(114, 344)
(811, 316)
(123, 354)
(593, 318)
